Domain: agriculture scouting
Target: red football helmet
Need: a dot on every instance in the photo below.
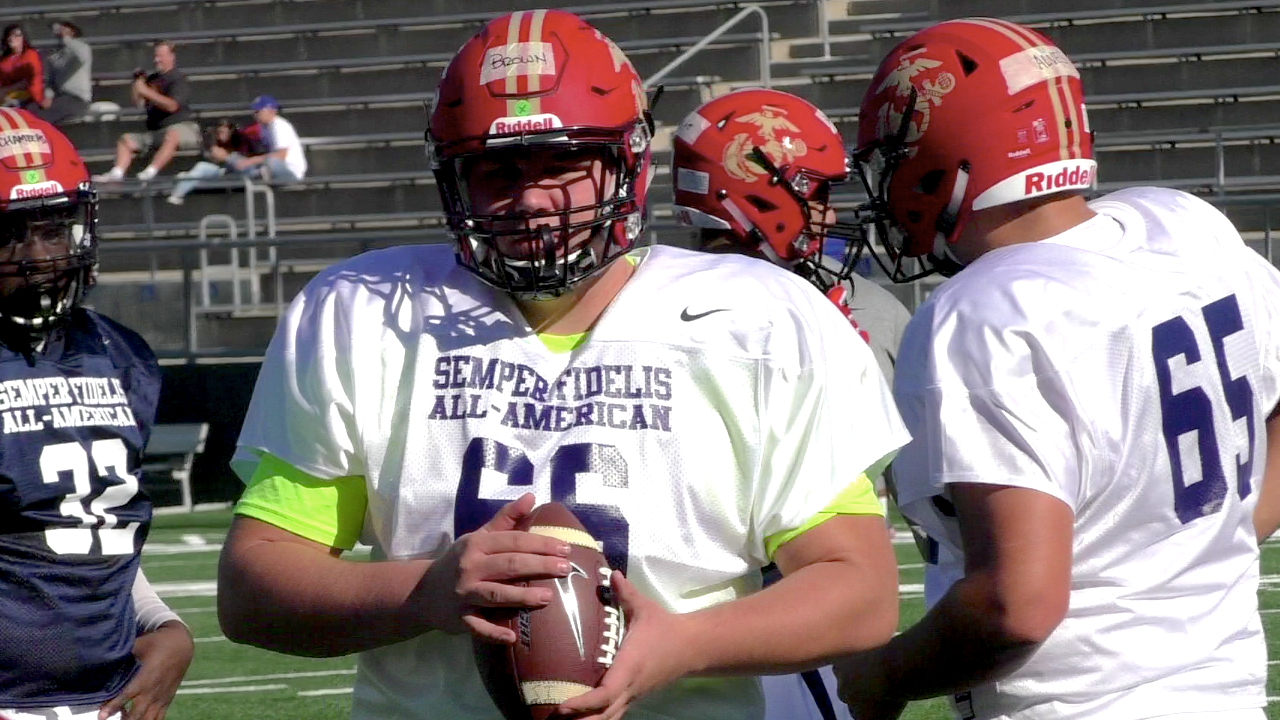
(760, 164)
(962, 116)
(542, 79)
(45, 194)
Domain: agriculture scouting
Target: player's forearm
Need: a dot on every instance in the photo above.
(293, 599)
(150, 610)
(815, 614)
(968, 639)
(1266, 514)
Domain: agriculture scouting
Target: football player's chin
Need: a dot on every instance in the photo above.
(532, 247)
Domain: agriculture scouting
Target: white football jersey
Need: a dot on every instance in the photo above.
(1125, 367)
(717, 401)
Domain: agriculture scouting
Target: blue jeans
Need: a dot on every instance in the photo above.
(279, 171)
(276, 168)
(202, 170)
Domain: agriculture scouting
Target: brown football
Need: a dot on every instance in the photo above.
(562, 650)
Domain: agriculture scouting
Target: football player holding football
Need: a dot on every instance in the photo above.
(754, 171)
(701, 415)
(1089, 400)
(77, 401)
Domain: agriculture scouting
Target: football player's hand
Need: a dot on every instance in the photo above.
(164, 654)
(647, 660)
(863, 688)
(477, 570)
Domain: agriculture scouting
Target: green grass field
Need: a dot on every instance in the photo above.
(229, 680)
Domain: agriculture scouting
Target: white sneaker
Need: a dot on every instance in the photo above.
(107, 177)
(174, 200)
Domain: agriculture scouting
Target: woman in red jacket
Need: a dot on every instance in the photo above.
(21, 72)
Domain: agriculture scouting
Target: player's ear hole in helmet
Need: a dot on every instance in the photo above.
(532, 90)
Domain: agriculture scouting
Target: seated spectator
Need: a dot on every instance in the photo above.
(283, 160)
(225, 144)
(166, 95)
(21, 73)
(68, 75)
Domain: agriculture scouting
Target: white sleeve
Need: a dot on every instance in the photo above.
(823, 426)
(148, 607)
(976, 417)
(302, 409)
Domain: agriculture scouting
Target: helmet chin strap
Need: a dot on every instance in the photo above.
(949, 218)
(28, 335)
(548, 268)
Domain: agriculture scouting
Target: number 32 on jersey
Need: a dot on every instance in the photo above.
(1185, 372)
(106, 460)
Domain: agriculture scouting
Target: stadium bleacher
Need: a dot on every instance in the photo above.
(1179, 93)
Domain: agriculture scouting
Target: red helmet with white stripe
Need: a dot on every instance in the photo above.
(542, 79)
(760, 165)
(48, 223)
(962, 116)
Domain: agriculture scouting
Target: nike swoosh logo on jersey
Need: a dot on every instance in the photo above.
(685, 316)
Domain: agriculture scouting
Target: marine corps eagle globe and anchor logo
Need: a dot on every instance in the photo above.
(928, 93)
(773, 134)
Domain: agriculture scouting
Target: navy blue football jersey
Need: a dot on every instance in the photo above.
(74, 420)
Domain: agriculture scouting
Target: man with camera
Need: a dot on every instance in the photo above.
(166, 95)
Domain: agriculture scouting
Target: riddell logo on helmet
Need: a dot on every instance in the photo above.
(26, 192)
(1051, 177)
(1067, 177)
(531, 123)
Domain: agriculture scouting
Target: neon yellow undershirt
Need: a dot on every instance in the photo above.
(859, 498)
(331, 512)
(560, 344)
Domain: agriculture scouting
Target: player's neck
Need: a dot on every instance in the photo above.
(576, 311)
(1034, 221)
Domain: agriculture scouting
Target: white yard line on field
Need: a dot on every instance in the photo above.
(160, 548)
(235, 688)
(199, 588)
(276, 676)
(326, 691)
(200, 560)
(194, 610)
